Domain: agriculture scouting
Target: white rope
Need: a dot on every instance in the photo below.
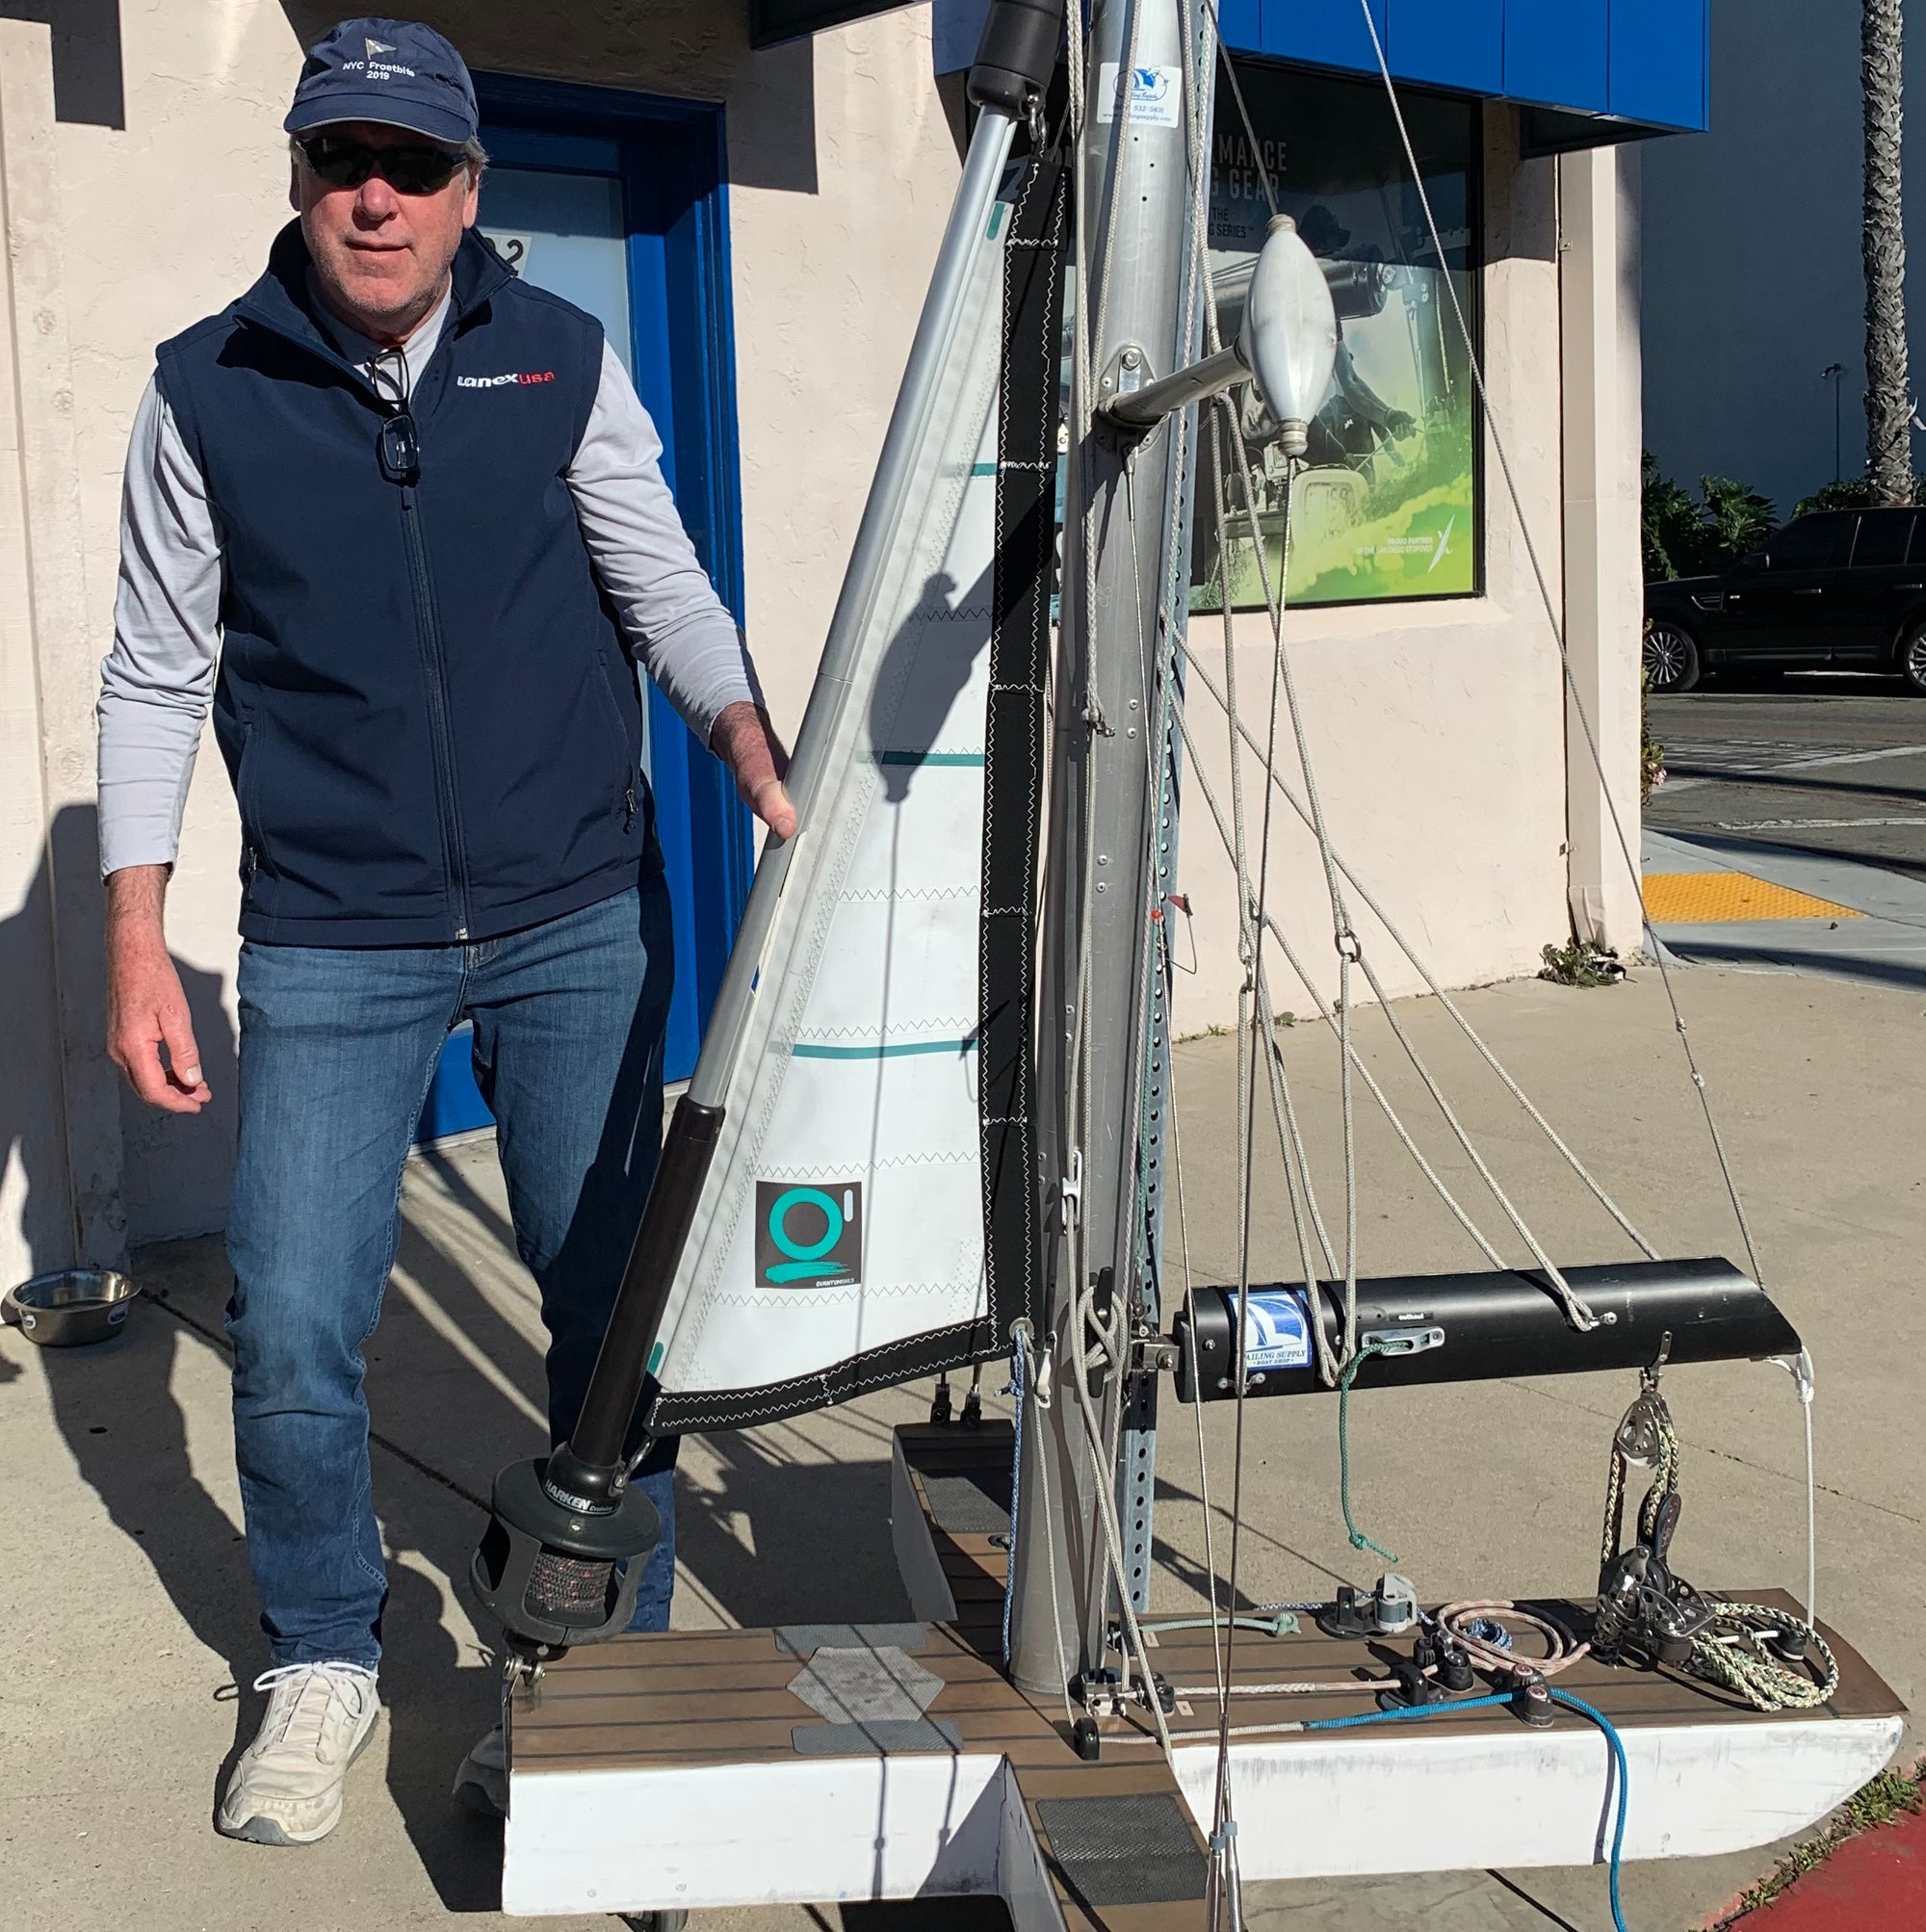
(1371, 1086)
(1564, 654)
(1437, 992)
(1804, 1385)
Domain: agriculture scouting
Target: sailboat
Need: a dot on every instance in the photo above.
(931, 1127)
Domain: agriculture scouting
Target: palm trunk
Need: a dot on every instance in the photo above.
(1888, 406)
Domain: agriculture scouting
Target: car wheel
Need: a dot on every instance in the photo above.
(1671, 657)
(1912, 664)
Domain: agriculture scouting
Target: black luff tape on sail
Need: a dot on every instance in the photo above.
(1015, 739)
(1017, 54)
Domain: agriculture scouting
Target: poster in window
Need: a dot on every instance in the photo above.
(1386, 503)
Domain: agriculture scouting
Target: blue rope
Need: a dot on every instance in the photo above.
(1604, 1724)
(1563, 1697)
(1016, 1482)
(1404, 1711)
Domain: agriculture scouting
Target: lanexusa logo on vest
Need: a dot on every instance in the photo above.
(809, 1236)
(514, 380)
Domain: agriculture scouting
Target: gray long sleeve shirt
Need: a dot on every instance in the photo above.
(157, 682)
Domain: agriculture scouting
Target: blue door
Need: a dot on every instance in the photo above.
(615, 203)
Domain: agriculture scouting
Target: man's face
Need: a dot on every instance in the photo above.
(382, 256)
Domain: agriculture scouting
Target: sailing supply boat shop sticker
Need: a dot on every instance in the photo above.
(809, 1236)
(1277, 1330)
(1156, 95)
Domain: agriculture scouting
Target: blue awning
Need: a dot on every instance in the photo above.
(1586, 71)
(1639, 63)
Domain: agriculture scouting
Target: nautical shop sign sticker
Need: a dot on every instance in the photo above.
(1157, 94)
(809, 1236)
(1277, 1334)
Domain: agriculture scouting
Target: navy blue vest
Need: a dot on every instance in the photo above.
(433, 728)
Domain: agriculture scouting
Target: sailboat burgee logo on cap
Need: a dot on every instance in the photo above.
(372, 64)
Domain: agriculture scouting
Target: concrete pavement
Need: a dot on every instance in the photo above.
(126, 1597)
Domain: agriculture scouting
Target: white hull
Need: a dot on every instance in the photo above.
(812, 1830)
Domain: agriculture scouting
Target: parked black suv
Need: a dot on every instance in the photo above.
(1841, 586)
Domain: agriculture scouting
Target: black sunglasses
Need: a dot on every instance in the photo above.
(343, 163)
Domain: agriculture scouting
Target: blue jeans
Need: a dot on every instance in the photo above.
(338, 1046)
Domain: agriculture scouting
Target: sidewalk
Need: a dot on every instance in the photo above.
(1722, 898)
(125, 1595)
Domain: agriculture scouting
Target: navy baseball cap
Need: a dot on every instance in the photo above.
(398, 72)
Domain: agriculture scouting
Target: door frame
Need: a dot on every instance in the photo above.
(671, 160)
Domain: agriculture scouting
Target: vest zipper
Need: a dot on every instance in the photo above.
(437, 712)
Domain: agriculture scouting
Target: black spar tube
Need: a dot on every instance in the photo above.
(1499, 1324)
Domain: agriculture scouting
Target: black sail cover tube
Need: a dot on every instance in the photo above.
(1493, 1326)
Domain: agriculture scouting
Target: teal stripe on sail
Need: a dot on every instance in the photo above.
(963, 758)
(982, 469)
(891, 1051)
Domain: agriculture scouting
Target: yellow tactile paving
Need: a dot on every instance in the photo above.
(1714, 898)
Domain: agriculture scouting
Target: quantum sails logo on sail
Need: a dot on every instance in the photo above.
(809, 1236)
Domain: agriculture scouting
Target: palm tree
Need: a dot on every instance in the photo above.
(1883, 246)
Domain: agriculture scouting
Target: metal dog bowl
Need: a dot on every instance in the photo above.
(70, 1306)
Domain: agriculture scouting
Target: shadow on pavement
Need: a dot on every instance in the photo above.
(768, 1535)
(1840, 965)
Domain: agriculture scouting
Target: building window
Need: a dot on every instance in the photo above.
(1387, 504)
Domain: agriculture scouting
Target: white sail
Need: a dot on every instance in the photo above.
(838, 1241)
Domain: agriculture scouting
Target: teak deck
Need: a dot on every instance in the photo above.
(1115, 1840)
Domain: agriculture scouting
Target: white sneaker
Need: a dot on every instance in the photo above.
(482, 1782)
(286, 1790)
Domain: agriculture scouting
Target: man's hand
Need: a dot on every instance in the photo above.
(145, 1008)
(745, 742)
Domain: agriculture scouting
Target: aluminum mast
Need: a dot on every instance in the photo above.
(1134, 198)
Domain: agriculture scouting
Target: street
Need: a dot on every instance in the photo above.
(1791, 827)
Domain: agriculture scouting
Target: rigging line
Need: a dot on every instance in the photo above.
(1350, 950)
(1564, 653)
(1112, 1528)
(1439, 993)
(1244, 112)
(1284, 1108)
(1018, 1330)
(1372, 1085)
(1348, 947)
(1049, 1515)
(1377, 1093)
(1278, 682)
(1477, 1159)
(1197, 1408)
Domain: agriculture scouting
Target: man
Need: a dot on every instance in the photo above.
(397, 516)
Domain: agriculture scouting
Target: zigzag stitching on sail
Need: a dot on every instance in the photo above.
(947, 1023)
(853, 1295)
(818, 1169)
(910, 895)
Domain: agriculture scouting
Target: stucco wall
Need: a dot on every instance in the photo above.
(1438, 731)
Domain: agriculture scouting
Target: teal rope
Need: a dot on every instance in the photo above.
(1359, 1540)
(1408, 1711)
